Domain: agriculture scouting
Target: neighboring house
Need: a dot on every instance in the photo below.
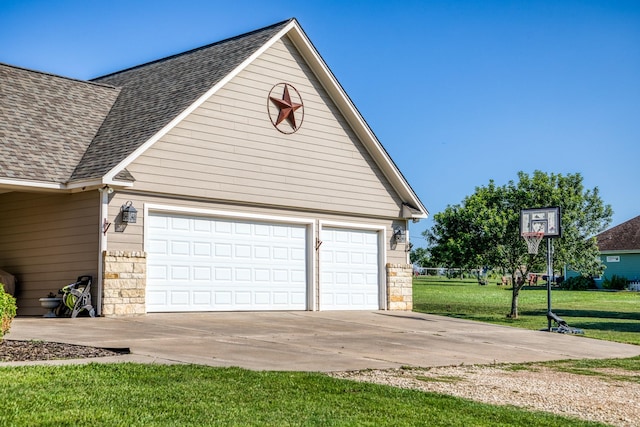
(620, 250)
(257, 184)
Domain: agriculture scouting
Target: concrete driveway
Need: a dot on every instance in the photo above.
(315, 341)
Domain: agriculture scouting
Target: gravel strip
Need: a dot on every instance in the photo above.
(594, 398)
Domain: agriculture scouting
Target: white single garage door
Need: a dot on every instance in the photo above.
(210, 264)
(349, 273)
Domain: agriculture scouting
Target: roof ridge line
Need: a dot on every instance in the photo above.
(176, 55)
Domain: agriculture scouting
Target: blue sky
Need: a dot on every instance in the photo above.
(458, 92)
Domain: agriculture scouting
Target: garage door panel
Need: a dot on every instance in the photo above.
(201, 226)
(223, 250)
(262, 252)
(242, 274)
(180, 247)
(349, 271)
(297, 254)
(223, 298)
(223, 227)
(159, 222)
(202, 249)
(157, 247)
(181, 224)
(212, 264)
(242, 251)
(156, 272)
(156, 297)
(179, 298)
(341, 257)
(243, 228)
(358, 299)
(202, 298)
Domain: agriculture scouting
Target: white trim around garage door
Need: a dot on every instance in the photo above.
(382, 253)
(309, 224)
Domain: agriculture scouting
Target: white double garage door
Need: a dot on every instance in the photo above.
(208, 263)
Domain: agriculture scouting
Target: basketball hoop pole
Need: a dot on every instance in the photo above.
(536, 224)
(549, 274)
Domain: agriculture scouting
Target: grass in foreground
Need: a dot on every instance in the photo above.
(190, 395)
(613, 316)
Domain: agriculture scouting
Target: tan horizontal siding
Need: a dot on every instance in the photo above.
(47, 241)
(274, 180)
(227, 149)
(129, 237)
(277, 163)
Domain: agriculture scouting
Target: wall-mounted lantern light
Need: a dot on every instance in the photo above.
(129, 213)
(399, 235)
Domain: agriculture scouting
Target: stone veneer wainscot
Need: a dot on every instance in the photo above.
(124, 283)
(400, 286)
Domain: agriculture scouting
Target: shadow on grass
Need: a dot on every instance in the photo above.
(586, 313)
(588, 319)
(583, 319)
(607, 326)
(478, 317)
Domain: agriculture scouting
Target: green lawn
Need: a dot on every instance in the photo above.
(190, 395)
(613, 316)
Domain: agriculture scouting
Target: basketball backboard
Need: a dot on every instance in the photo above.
(545, 220)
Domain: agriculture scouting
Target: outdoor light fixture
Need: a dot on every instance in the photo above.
(129, 213)
(400, 235)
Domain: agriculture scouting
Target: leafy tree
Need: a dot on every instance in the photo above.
(420, 257)
(484, 230)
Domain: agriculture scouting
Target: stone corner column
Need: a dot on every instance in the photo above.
(400, 287)
(124, 283)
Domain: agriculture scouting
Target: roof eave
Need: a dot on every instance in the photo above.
(7, 185)
(30, 185)
(97, 183)
(619, 251)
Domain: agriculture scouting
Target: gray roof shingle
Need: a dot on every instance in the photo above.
(56, 129)
(47, 122)
(153, 94)
(625, 236)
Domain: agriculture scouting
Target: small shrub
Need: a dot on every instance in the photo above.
(615, 282)
(7, 311)
(578, 283)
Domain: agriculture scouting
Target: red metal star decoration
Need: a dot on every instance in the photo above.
(286, 108)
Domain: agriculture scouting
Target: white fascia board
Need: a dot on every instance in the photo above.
(17, 184)
(76, 185)
(353, 116)
(133, 156)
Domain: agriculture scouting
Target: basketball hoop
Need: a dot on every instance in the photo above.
(533, 240)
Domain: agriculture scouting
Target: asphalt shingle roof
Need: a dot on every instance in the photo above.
(625, 236)
(56, 129)
(153, 94)
(47, 122)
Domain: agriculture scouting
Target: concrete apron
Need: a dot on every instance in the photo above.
(314, 341)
